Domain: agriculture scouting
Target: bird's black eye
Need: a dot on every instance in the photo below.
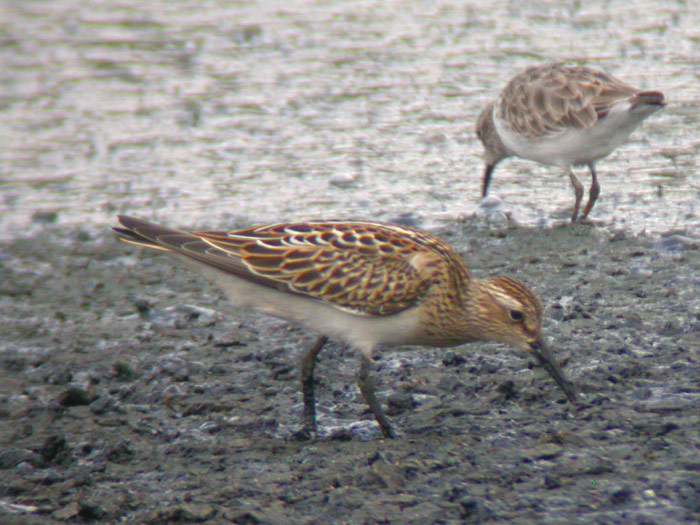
(516, 315)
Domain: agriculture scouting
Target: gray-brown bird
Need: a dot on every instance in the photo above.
(564, 116)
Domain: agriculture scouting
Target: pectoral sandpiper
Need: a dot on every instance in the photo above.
(564, 116)
(364, 283)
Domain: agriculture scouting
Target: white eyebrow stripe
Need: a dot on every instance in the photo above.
(506, 300)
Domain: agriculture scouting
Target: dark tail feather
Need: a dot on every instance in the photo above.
(648, 98)
(143, 233)
(132, 237)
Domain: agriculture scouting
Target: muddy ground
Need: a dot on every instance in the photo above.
(126, 396)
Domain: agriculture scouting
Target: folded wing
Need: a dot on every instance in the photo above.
(364, 267)
(543, 102)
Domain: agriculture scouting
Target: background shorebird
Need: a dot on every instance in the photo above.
(364, 283)
(563, 115)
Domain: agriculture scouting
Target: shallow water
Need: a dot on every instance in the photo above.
(247, 112)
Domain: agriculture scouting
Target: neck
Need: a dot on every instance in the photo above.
(486, 128)
(449, 322)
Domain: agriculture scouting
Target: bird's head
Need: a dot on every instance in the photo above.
(507, 311)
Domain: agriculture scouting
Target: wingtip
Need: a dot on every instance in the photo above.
(127, 221)
(135, 224)
(125, 235)
(123, 221)
(127, 228)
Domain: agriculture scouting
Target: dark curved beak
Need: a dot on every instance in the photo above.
(488, 171)
(541, 352)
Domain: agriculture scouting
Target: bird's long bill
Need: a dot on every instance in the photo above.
(542, 354)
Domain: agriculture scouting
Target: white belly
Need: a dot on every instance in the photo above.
(574, 146)
(364, 333)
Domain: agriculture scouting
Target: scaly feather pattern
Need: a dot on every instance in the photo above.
(367, 268)
(543, 102)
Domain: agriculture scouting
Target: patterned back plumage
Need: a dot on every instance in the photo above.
(546, 100)
(367, 268)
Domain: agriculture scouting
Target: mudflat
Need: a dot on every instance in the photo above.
(130, 393)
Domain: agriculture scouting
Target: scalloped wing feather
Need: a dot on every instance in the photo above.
(544, 101)
(363, 267)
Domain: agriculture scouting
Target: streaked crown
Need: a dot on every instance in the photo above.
(509, 312)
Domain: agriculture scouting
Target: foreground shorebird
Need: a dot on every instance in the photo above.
(563, 115)
(364, 283)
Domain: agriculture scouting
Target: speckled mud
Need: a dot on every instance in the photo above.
(127, 396)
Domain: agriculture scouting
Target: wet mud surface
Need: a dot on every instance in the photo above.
(128, 393)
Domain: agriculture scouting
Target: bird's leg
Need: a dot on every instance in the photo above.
(308, 363)
(367, 388)
(595, 191)
(578, 190)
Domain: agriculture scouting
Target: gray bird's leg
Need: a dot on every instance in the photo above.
(364, 380)
(308, 363)
(578, 191)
